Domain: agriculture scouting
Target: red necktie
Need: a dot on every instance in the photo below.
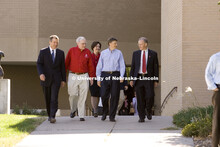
(144, 63)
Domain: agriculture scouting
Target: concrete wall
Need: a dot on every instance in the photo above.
(19, 29)
(171, 54)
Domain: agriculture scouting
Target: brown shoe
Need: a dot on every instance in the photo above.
(52, 120)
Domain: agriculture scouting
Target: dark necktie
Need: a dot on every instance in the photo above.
(144, 63)
(53, 57)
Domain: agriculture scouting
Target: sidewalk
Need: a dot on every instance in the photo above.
(126, 131)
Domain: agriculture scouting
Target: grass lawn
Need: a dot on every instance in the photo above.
(13, 128)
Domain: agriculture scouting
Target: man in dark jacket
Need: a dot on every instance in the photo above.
(51, 69)
(145, 74)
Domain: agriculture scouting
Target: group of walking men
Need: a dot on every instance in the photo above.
(106, 71)
(93, 71)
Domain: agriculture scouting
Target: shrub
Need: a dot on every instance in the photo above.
(185, 117)
(16, 110)
(201, 128)
(26, 109)
(43, 113)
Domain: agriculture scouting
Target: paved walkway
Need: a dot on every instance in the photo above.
(126, 131)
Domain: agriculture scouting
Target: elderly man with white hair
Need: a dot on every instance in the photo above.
(80, 66)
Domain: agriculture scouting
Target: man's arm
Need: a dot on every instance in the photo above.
(63, 70)
(91, 66)
(122, 67)
(210, 68)
(99, 68)
(40, 64)
(132, 69)
(68, 60)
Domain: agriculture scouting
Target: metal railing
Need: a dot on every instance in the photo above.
(170, 94)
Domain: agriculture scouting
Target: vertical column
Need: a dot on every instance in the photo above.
(5, 91)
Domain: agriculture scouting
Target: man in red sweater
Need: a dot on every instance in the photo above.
(80, 66)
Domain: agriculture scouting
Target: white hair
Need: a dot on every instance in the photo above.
(144, 39)
(54, 36)
(80, 38)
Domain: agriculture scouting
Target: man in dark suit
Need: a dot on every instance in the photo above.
(145, 76)
(51, 69)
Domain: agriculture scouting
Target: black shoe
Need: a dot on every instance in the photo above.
(52, 120)
(82, 119)
(95, 115)
(112, 120)
(141, 120)
(149, 115)
(103, 117)
(72, 114)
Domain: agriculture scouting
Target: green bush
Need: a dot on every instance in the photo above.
(185, 117)
(16, 110)
(201, 128)
(26, 110)
(43, 113)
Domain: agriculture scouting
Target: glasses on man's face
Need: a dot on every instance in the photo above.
(83, 43)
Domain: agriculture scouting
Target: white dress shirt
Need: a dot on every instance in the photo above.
(212, 72)
(141, 62)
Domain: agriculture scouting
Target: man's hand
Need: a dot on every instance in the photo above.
(126, 87)
(99, 83)
(131, 83)
(91, 82)
(216, 89)
(63, 83)
(155, 84)
(42, 77)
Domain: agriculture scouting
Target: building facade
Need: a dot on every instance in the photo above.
(183, 33)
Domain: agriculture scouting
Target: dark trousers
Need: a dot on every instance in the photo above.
(216, 119)
(51, 98)
(145, 101)
(110, 88)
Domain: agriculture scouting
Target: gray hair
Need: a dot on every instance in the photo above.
(54, 36)
(144, 39)
(80, 38)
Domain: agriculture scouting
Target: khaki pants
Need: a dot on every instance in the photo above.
(216, 119)
(78, 89)
(121, 100)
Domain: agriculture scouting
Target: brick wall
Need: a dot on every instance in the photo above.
(201, 39)
(171, 54)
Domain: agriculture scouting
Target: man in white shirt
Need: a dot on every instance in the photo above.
(212, 77)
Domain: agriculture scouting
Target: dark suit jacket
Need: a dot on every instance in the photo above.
(54, 72)
(152, 65)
